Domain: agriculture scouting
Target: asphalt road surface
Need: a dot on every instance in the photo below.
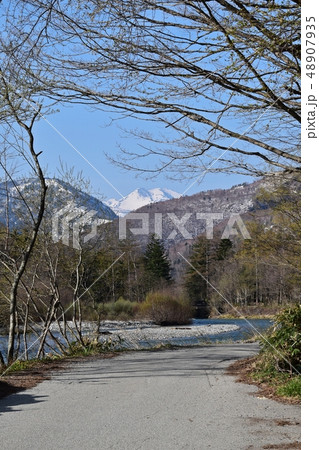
(178, 399)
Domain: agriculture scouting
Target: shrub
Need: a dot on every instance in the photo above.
(88, 347)
(167, 309)
(89, 313)
(121, 309)
(123, 306)
(282, 347)
(291, 389)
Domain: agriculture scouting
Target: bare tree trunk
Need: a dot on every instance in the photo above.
(113, 284)
(2, 363)
(256, 277)
(7, 213)
(37, 222)
(25, 330)
(77, 315)
(18, 340)
(48, 322)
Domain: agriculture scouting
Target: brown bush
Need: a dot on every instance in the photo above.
(167, 309)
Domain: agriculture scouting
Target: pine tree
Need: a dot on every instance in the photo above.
(156, 262)
(197, 275)
(223, 249)
(207, 262)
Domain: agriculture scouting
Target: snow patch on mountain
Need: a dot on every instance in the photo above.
(140, 197)
(20, 198)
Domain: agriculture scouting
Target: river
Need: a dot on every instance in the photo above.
(246, 328)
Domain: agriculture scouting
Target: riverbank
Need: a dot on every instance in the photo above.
(134, 335)
(143, 336)
(248, 312)
(242, 316)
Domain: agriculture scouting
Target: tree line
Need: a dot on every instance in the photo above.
(262, 270)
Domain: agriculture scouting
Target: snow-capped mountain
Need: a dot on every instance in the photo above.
(140, 197)
(18, 199)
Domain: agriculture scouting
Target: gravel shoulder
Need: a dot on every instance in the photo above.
(178, 399)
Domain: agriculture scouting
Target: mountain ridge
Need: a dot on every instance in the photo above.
(140, 197)
(61, 195)
(187, 211)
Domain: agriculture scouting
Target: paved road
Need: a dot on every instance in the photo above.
(148, 400)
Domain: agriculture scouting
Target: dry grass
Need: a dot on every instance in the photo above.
(244, 369)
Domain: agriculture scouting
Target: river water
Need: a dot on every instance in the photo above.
(246, 328)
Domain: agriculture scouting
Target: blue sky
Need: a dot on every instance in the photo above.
(90, 134)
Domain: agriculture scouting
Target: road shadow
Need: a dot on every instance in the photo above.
(8, 389)
(19, 397)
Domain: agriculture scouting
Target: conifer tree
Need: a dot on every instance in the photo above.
(197, 276)
(223, 249)
(156, 262)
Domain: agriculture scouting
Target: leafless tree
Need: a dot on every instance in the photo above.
(218, 80)
(20, 129)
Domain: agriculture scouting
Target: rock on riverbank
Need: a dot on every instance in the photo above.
(145, 333)
(142, 335)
